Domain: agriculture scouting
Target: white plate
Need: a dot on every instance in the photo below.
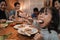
(9, 21)
(21, 25)
(17, 26)
(23, 32)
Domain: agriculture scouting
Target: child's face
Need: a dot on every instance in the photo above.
(45, 17)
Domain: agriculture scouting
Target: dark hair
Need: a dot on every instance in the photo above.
(55, 19)
(16, 3)
(35, 9)
(42, 10)
(3, 1)
(57, 0)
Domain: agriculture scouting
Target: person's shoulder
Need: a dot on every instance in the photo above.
(54, 32)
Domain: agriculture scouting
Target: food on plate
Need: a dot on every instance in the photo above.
(28, 30)
(18, 26)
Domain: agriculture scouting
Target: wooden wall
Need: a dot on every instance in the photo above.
(10, 4)
(27, 5)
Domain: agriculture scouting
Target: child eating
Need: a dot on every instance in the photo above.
(45, 21)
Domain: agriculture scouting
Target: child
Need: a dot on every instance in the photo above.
(35, 13)
(46, 21)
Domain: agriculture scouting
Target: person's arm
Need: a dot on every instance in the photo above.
(16, 14)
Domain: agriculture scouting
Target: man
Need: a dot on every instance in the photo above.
(15, 12)
(57, 8)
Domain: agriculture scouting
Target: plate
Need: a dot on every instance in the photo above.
(17, 26)
(20, 26)
(9, 21)
(27, 31)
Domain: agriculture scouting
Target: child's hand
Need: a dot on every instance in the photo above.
(38, 37)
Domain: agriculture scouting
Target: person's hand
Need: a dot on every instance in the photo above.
(38, 37)
(11, 17)
(3, 20)
(20, 11)
(20, 19)
(27, 21)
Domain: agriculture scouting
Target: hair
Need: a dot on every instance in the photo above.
(16, 3)
(57, 0)
(35, 9)
(3, 1)
(55, 19)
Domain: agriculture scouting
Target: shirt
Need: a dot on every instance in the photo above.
(45, 33)
(2, 14)
(49, 36)
(33, 15)
(12, 12)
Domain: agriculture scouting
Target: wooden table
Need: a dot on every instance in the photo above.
(15, 35)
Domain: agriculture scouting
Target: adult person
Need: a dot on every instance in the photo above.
(15, 12)
(3, 12)
(57, 8)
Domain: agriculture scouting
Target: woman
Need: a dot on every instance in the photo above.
(46, 20)
(3, 11)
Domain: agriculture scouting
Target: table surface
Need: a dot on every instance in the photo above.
(15, 35)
